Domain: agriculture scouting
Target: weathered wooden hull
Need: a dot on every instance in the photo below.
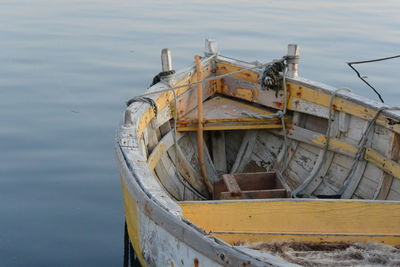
(168, 224)
(159, 235)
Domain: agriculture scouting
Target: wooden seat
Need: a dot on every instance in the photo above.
(259, 185)
(222, 113)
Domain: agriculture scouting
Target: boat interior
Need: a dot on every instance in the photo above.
(299, 155)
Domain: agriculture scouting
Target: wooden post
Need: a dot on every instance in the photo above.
(200, 141)
(293, 58)
(211, 47)
(166, 59)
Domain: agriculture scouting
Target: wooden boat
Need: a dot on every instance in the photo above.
(211, 159)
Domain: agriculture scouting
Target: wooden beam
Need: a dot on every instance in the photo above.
(231, 183)
(225, 67)
(317, 139)
(389, 166)
(218, 151)
(163, 145)
(298, 220)
(318, 96)
(254, 194)
(231, 126)
(387, 180)
(200, 138)
(164, 99)
(245, 150)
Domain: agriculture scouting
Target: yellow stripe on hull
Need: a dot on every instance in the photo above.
(132, 221)
(304, 220)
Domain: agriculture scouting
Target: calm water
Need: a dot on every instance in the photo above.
(66, 68)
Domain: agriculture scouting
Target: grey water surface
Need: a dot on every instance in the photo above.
(67, 67)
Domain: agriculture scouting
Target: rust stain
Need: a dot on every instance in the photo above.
(196, 262)
(297, 102)
(277, 104)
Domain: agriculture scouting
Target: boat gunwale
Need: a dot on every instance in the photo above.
(161, 212)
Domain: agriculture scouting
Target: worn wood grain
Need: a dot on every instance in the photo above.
(218, 151)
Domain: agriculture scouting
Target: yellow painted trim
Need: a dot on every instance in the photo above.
(132, 221)
(249, 119)
(387, 165)
(372, 156)
(165, 98)
(319, 97)
(299, 219)
(229, 127)
(316, 96)
(237, 238)
(155, 156)
(336, 144)
(225, 67)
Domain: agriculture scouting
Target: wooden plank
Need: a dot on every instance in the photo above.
(317, 139)
(299, 92)
(318, 172)
(254, 194)
(225, 67)
(310, 137)
(166, 98)
(299, 219)
(234, 238)
(322, 98)
(163, 145)
(211, 172)
(231, 183)
(218, 151)
(354, 179)
(188, 172)
(245, 150)
(386, 183)
(389, 166)
(251, 92)
(222, 109)
(200, 139)
(230, 126)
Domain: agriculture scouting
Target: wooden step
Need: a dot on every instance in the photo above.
(259, 185)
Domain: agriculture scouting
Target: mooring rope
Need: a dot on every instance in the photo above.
(362, 78)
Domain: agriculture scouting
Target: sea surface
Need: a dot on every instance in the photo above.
(67, 67)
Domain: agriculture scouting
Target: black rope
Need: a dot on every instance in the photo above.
(271, 78)
(161, 75)
(362, 78)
